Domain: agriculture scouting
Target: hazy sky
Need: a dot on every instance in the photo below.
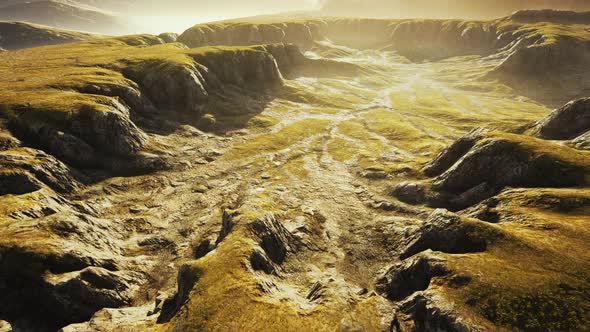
(155, 16)
(158, 15)
(176, 15)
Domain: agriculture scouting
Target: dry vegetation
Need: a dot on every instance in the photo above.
(321, 154)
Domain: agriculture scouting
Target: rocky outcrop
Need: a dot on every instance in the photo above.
(25, 170)
(188, 276)
(105, 127)
(568, 122)
(449, 156)
(501, 163)
(480, 164)
(432, 39)
(275, 241)
(302, 34)
(110, 319)
(249, 69)
(446, 232)
(531, 55)
(82, 293)
(60, 262)
(582, 142)
(168, 37)
(410, 276)
(429, 312)
(8, 142)
(187, 88)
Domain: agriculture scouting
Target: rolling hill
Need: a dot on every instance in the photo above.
(65, 15)
(300, 174)
(17, 35)
(444, 9)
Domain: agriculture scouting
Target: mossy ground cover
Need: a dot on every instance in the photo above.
(44, 83)
(519, 282)
(393, 117)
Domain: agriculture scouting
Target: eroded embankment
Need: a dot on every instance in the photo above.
(93, 109)
(535, 45)
(284, 222)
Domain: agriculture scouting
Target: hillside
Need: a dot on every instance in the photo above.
(300, 174)
(17, 35)
(65, 15)
(465, 9)
(532, 50)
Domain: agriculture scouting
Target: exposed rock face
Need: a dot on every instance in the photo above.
(582, 142)
(480, 164)
(168, 37)
(249, 69)
(428, 312)
(84, 292)
(275, 242)
(410, 276)
(454, 152)
(532, 56)
(430, 39)
(108, 320)
(112, 131)
(26, 170)
(301, 34)
(446, 232)
(502, 163)
(8, 142)
(568, 122)
(187, 278)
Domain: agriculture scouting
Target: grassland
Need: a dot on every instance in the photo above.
(320, 152)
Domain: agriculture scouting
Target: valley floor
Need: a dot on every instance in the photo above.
(321, 156)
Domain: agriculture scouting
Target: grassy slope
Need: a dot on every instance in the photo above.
(46, 81)
(17, 35)
(66, 16)
(43, 84)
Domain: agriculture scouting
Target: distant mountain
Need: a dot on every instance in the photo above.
(65, 14)
(17, 35)
(445, 9)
